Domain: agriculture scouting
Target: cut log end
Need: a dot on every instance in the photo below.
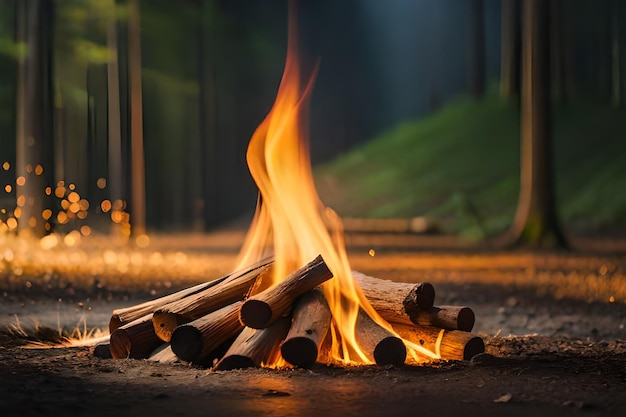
(299, 351)
(120, 344)
(256, 314)
(421, 297)
(390, 351)
(466, 319)
(115, 323)
(235, 362)
(186, 343)
(164, 325)
(474, 346)
(102, 351)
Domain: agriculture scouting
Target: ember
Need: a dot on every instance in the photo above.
(305, 304)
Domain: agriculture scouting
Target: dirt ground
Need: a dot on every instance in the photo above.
(553, 324)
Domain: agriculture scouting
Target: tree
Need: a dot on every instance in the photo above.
(536, 223)
(476, 70)
(138, 182)
(510, 49)
(34, 109)
(114, 112)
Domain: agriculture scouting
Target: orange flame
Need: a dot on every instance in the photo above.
(290, 218)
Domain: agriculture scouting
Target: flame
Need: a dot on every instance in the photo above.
(290, 218)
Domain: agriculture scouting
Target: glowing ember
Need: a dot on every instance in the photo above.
(290, 219)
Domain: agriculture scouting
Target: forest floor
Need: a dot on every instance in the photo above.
(553, 323)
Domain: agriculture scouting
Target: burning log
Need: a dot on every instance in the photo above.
(309, 326)
(377, 343)
(134, 340)
(449, 344)
(170, 316)
(255, 346)
(267, 306)
(396, 301)
(194, 341)
(446, 317)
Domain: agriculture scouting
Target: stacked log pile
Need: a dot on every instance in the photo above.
(231, 323)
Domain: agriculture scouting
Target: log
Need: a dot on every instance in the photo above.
(445, 317)
(309, 326)
(102, 350)
(134, 340)
(170, 316)
(267, 306)
(396, 301)
(194, 341)
(454, 344)
(255, 347)
(377, 343)
(163, 354)
(125, 315)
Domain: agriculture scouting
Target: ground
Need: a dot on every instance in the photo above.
(553, 324)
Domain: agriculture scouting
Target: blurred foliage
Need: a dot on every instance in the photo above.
(460, 167)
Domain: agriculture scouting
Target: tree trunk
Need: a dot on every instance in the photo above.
(558, 50)
(536, 222)
(34, 166)
(510, 49)
(138, 182)
(476, 71)
(114, 114)
(208, 114)
(616, 65)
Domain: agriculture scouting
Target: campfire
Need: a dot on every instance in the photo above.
(294, 299)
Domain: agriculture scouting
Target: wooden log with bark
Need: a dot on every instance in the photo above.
(377, 343)
(194, 341)
(125, 315)
(267, 306)
(445, 317)
(134, 340)
(168, 317)
(396, 301)
(254, 347)
(449, 344)
(309, 326)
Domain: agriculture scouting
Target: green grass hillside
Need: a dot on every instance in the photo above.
(460, 167)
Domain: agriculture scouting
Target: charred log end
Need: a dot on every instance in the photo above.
(390, 351)
(234, 362)
(255, 314)
(102, 351)
(466, 319)
(186, 343)
(421, 297)
(299, 351)
(120, 344)
(473, 347)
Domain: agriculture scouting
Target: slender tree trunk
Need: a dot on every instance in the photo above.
(114, 152)
(536, 222)
(510, 49)
(477, 75)
(34, 166)
(558, 50)
(208, 116)
(138, 182)
(616, 64)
